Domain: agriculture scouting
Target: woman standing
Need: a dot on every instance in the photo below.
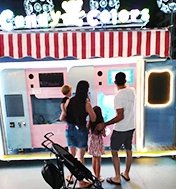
(77, 110)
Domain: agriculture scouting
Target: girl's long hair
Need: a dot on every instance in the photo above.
(99, 119)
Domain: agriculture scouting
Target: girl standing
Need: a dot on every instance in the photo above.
(96, 146)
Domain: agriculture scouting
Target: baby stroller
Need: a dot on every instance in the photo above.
(54, 175)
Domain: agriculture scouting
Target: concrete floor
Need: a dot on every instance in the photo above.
(146, 173)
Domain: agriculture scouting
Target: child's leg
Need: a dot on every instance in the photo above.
(96, 164)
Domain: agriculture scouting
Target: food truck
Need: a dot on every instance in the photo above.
(38, 55)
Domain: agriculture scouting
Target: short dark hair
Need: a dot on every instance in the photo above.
(120, 78)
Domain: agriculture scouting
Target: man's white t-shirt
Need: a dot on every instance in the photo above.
(125, 98)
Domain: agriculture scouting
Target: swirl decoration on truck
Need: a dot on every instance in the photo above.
(38, 6)
(167, 6)
(95, 4)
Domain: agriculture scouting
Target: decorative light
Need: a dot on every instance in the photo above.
(19, 21)
(95, 17)
(95, 4)
(40, 14)
(166, 6)
(55, 17)
(123, 16)
(31, 21)
(91, 17)
(145, 15)
(38, 6)
(114, 16)
(7, 20)
(105, 16)
(134, 14)
(43, 20)
(115, 4)
(103, 4)
(74, 14)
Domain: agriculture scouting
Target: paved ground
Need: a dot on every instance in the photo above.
(146, 173)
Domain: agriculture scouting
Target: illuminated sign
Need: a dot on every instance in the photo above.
(45, 17)
(128, 72)
(95, 17)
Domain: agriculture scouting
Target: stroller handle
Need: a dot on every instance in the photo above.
(48, 135)
(48, 141)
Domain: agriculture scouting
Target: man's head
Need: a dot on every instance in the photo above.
(120, 79)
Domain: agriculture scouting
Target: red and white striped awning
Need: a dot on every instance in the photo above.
(85, 44)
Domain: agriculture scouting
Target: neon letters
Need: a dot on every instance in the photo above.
(95, 17)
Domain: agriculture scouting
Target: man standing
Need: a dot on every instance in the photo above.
(123, 127)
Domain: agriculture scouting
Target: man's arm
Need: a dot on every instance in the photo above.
(119, 116)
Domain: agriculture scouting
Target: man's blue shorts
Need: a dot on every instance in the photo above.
(76, 136)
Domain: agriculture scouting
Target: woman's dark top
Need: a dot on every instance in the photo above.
(76, 112)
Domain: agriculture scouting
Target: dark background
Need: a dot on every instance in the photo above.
(17, 7)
